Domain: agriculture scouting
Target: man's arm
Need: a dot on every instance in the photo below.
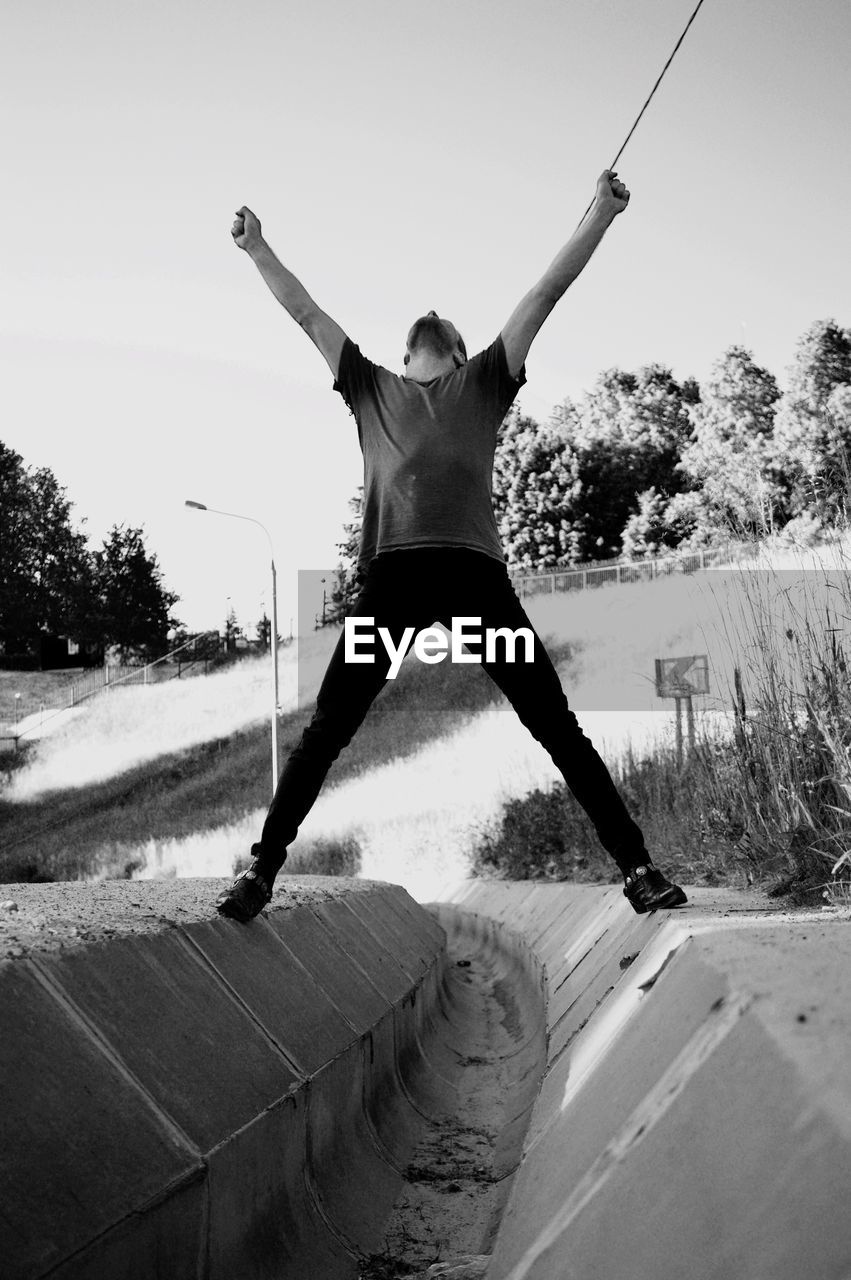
(290, 292)
(611, 199)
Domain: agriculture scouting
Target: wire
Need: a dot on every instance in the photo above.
(648, 100)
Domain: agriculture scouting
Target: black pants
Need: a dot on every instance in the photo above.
(415, 588)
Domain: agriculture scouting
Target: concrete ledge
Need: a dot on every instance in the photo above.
(695, 1118)
(187, 1096)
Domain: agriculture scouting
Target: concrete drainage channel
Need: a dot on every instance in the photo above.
(529, 1080)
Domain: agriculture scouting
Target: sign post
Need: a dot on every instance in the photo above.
(680, 679)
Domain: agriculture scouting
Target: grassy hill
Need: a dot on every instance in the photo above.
(74, 832)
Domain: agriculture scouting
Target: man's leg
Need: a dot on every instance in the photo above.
(344, 698)
(535, 692)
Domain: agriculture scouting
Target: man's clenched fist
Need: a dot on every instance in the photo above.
(611, 192)
(246, 228)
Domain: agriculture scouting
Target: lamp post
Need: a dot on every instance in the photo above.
(200, 506)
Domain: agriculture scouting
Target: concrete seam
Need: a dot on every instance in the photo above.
(375, 1137)
(409, 977)
(55, 989)
(435, 1074)
(205, 1233)
(350, 958)
(197, 1174)
(583, 1024)
(199, 954)
(312, 1189)
(329, 995)
(572, 971)
(723, 1016)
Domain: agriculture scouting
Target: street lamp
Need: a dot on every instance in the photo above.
(200, 506)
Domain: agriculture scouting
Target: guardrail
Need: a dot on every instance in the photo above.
(109, 676)
(599, 572)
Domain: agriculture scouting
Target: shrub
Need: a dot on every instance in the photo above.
(325, 857)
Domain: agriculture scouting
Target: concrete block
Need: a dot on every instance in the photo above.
(278, 989)
(375, 910)
(422, 923)
(395, 1120)
(263, 1220)
(196, 1098)
(383, 969)
(590, 979)
(728, 1169)
(165, 1240)
(589, 1094)
(178, 1030)
(340, 1141)
(82, 1146)
(312, 943)
(698, 1122)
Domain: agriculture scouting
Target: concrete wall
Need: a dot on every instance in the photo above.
(185, 1096)
(695, 1117)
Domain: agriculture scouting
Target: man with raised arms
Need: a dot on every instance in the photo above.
(430, 549)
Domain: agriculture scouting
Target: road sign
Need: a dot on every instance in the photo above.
(682, 677)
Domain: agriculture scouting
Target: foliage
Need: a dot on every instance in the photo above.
(45, 578)
(132, 604)
(812, 436)
(325, 857)
(648, 530)
(729, 453)
(631, 431)
(564, 492)
(546, 835)
(345, 589)
(50, 582)
(534, 483)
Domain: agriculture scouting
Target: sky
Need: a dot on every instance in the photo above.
(401, 158)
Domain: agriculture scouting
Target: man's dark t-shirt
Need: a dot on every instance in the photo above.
(428, 450)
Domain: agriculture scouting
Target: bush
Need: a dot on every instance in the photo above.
(325, 857)
(542, 835)
(546, 835)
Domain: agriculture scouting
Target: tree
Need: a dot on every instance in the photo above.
(46, 571)
(647, 531)
(264, 630)
(812, 435)
(534, 483)
(628, 438)
(729, 454)
(133, 604)
(345, 588)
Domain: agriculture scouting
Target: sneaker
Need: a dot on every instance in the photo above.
(247, 896)
(647, 889)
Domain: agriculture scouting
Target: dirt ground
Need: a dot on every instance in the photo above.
(457, 1181)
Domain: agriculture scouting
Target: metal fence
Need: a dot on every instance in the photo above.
(601, 572)
(200, 648)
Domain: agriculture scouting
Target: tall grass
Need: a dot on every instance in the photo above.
(765, 797)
